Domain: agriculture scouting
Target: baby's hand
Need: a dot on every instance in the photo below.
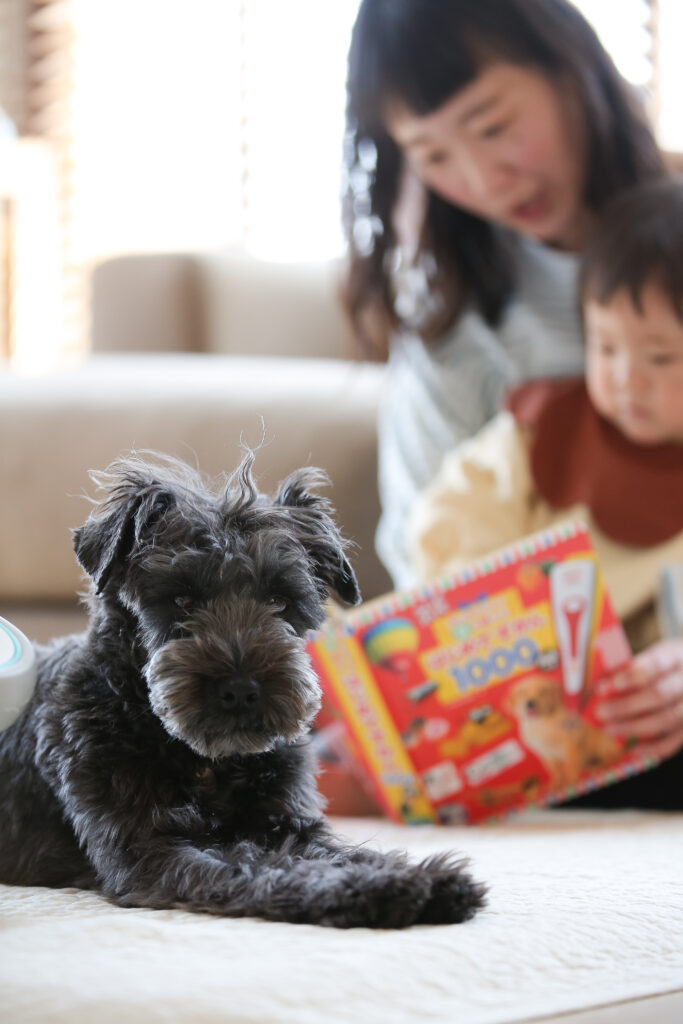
(644, 703)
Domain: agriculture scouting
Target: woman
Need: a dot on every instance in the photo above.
(484, 139)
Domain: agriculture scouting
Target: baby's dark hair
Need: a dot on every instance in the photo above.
(638, 242)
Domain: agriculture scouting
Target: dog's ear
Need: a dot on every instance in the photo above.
(134, 502)
(312, 516)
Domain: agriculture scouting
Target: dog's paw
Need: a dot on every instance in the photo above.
(386, 898)
(454, 895)
(397, 894)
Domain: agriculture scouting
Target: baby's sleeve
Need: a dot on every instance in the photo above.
(481, 499)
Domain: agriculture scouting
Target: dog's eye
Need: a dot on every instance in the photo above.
(278, 603)
(183, 601)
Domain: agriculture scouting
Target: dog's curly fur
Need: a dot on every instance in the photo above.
(163, 758)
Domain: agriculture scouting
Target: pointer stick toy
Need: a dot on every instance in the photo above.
(572, 594)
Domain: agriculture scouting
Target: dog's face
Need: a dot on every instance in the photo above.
(535, 696)
(222, 589)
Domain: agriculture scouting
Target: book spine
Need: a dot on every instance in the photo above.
(358, 697)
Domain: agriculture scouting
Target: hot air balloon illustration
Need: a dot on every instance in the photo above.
(391, 644)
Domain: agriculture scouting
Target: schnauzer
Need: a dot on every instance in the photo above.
(163, 759)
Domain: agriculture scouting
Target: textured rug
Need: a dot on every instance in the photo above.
(585, 909)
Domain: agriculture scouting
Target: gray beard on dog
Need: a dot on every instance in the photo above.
(189, 681)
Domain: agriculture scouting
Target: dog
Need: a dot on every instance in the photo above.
(483, 725)
(164, 757)
(564, 742)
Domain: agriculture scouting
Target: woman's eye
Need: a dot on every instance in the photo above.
(492, 130)
(434, 159)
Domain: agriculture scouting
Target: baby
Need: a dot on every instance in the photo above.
(607, 449)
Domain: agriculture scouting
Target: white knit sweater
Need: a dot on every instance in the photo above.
(440, 394)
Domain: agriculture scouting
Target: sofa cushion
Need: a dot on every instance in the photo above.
(198, 407)
(146, 303)
(223, 302)
(265, 308)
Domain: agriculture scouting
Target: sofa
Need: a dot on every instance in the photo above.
(199, 355)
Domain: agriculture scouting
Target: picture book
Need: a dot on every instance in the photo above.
(475, 696)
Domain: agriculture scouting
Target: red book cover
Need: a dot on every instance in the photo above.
(475, 696)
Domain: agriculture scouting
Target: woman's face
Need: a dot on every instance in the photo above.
(509, 148)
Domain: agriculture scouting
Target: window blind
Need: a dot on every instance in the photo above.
(203, 123)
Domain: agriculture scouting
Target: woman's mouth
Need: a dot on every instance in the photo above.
(532, 210)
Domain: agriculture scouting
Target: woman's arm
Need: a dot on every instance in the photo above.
(440, 394)
(435, 399)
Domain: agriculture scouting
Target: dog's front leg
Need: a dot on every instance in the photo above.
(246, 879)
(390, 889)
(296, 870)
(344, 887)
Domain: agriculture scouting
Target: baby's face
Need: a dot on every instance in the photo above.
(634, 367)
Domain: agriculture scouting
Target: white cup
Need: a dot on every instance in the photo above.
(18, 672)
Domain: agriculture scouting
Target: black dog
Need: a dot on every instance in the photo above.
(163, 758)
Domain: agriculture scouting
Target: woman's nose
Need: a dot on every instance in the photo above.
(485, 174)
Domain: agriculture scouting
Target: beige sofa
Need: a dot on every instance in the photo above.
(193, 354)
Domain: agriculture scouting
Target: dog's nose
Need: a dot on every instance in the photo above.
(239, 693)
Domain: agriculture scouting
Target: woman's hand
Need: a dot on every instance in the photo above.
(644, 703)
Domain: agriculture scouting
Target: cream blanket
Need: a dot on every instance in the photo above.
(585, 909)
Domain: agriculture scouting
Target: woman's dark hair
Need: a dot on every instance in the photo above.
(638, 242)
(422, 52)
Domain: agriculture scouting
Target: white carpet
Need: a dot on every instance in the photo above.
(585, 909)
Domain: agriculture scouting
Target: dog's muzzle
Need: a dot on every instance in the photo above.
(220, 708)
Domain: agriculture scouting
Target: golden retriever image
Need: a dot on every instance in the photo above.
(567, 745)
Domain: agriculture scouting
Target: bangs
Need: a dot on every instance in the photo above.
(417, 64)
(638, 243)
(424, 73)
(419, 55)
(635, 276)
